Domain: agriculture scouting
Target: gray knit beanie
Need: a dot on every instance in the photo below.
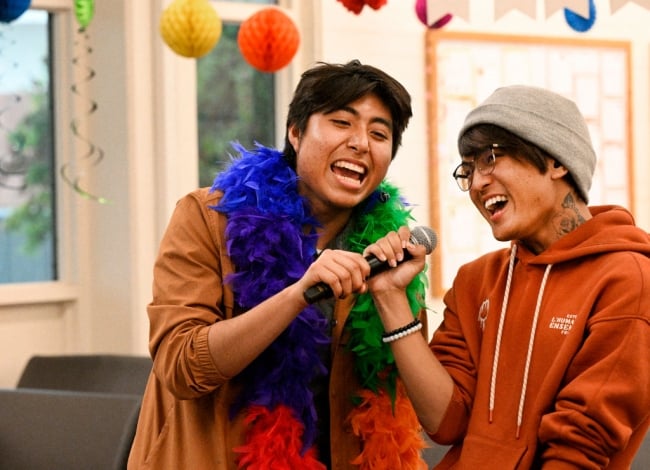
(545, 119)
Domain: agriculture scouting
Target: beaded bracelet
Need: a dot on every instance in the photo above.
(415, 325)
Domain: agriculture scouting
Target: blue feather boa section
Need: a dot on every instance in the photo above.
(269, 250)
(265, 240)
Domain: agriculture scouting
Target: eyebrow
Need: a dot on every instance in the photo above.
(377, 119)
(478, 153)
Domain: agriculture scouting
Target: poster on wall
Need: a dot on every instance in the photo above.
(463, 69)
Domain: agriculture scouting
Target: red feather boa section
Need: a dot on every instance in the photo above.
(391, 437)
(275, 442)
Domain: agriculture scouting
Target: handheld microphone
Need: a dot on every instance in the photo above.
(419, 236)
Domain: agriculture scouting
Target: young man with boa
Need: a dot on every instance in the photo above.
(247, 374)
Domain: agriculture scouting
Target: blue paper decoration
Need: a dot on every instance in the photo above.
(12, 9)
(578, 22)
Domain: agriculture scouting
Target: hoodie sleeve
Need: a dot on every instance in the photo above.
(455, 352)
(605, 396)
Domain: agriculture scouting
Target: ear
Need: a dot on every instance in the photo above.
(557, 170)
(293, 135)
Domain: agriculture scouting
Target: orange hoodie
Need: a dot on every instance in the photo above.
(550, 353)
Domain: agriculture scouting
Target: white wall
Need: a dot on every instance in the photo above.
(394, 39)
(151, 149)
(391, 38)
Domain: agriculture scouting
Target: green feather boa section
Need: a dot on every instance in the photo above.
(374, 363)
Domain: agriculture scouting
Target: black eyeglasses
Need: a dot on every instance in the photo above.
(484, 162)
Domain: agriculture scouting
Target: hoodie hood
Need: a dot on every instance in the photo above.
(610, 229)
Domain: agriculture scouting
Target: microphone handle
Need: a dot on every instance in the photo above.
(322, 291)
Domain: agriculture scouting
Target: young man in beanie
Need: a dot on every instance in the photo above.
(543, 357)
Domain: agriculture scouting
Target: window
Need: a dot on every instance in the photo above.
(235, 101)
(27, 208)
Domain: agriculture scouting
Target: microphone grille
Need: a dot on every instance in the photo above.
(425, 236)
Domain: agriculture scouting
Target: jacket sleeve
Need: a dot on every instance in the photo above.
(188, 297)
(605, 396)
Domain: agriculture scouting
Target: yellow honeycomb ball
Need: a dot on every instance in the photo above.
(191, 28)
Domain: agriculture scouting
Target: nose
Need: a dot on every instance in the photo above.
(479, 180)
(358, 141)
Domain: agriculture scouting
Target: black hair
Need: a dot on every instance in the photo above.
(329, 87)
(481, 136)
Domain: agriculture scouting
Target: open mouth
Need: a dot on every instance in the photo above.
(349, 171)
(495, 204)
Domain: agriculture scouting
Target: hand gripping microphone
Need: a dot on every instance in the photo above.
(419, 236)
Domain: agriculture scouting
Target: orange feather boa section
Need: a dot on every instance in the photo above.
(392, 437)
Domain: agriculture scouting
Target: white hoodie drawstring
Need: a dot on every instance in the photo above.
(502, 319)
(531, 341)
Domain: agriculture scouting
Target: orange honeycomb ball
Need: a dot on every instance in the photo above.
(268, 40)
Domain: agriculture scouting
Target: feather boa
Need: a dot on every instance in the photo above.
(269, 250)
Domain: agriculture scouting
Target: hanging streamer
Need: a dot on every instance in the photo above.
(94, 154)
(578, 22)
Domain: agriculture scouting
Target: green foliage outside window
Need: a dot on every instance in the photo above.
(235, 103)
(31, 140)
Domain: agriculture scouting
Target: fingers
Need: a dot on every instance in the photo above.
(395, 248)
(391, 247)
(345, 272)
(348, 273)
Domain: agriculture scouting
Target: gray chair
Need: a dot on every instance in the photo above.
(642, 459)
(433, 453)
(104, 373)
(80, 411)
(62, 430)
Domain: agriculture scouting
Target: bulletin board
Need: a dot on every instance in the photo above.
(463, 69)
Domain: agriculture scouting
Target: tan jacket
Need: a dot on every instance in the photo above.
(184, 422)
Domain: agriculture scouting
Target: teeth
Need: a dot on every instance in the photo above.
(351, 180)
(351, 167)
(493, 200)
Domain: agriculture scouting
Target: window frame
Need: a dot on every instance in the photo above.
(176, 77)
(61, 289)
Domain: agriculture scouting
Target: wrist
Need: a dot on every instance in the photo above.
(402, 331)
(391, 304)
(394, 311)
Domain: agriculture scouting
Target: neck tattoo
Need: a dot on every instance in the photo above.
(570, 218)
